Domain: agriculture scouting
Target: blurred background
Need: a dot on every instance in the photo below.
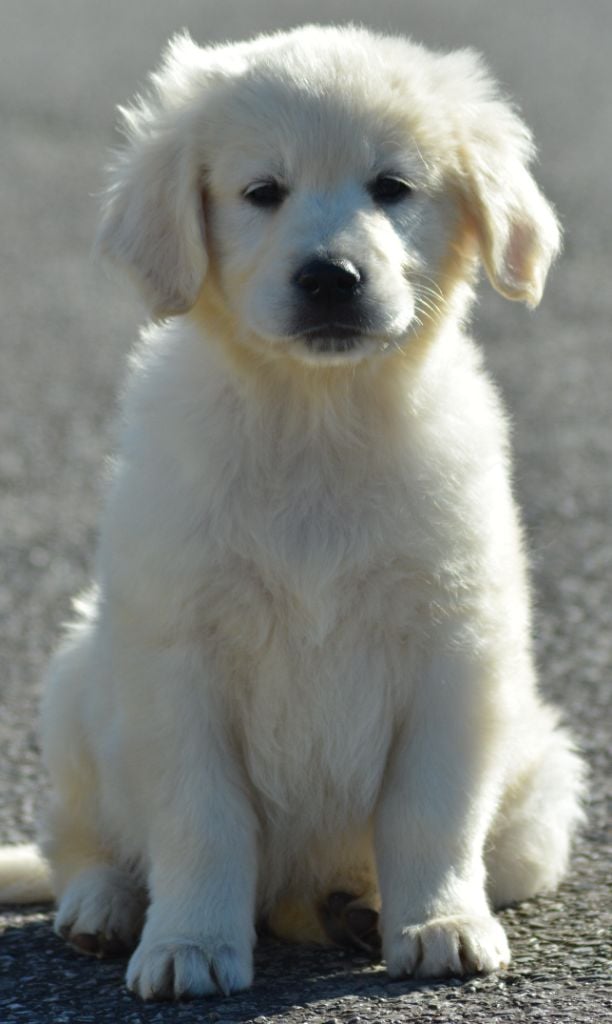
(66, 324)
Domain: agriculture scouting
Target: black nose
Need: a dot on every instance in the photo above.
(328, 281)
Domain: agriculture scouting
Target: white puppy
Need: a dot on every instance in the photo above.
(302, 688)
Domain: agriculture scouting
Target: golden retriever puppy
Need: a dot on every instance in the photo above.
(302, 690)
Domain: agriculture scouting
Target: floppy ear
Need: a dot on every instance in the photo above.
(517, 230)
(152, 220)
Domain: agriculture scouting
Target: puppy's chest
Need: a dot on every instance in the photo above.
(317, 604)
(314, 526)
(315, 720)
(315, 561)
(318, 684)
(310, 568)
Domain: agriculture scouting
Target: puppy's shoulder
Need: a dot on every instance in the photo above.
(455, 397)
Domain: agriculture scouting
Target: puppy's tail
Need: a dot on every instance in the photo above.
(25, 875)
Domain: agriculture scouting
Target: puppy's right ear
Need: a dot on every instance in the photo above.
(152, 221)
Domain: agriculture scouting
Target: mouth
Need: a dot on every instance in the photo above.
(331, 337)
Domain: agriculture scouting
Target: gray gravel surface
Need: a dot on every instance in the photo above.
(65, 330)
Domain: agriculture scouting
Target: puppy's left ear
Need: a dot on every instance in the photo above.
(152, 221)
(517, 230)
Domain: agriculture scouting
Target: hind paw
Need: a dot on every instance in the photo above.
(101, 912)
(350, 921)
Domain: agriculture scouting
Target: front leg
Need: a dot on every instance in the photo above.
(202, 839)
(437, 802)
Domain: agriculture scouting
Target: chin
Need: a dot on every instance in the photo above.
(327, 350)
(338, 351)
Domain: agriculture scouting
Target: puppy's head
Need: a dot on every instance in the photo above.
(327, 189)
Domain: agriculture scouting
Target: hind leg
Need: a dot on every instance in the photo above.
(529, 844)
(100, 906)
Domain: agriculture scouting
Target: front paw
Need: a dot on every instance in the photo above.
(447, 946)
(185, 969)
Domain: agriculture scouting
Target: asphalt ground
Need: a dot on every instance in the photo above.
(66, 326)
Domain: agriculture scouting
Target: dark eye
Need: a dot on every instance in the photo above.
(265, 193)
(388, 188)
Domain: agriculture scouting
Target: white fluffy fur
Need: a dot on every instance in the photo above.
(306, 663)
